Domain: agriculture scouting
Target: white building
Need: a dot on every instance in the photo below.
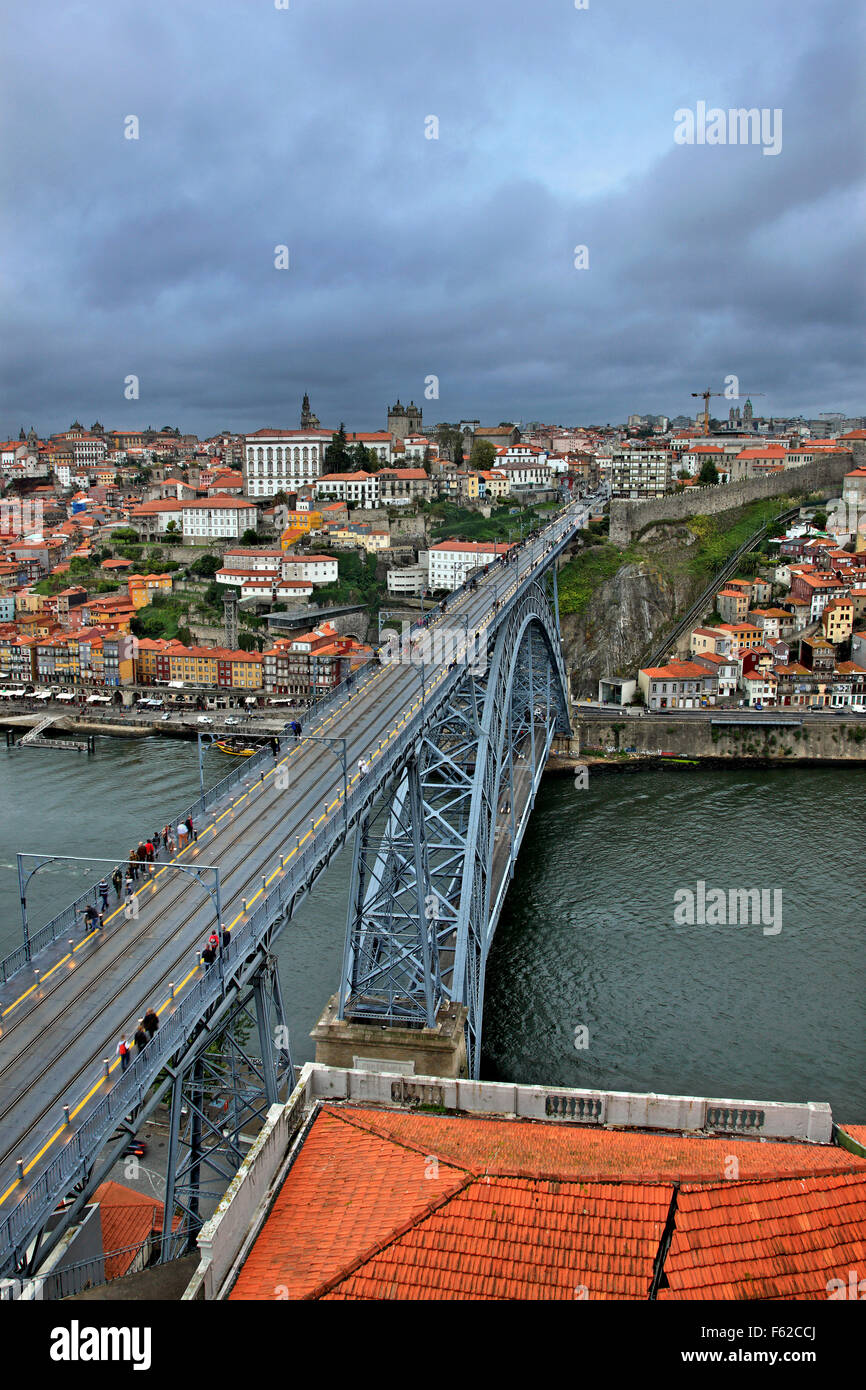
(524, 464)
(88, 449)
(415, 446)
(216, 518)
(412, 579)
(361, 489)
(380, 441)
(284, 460)
(451, 561)
(315, 569)
(639, 473)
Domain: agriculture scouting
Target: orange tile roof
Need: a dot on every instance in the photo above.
(384, 1203)
(484, 1243)
(778, 1240)
(345, 1192)
(127, 1217)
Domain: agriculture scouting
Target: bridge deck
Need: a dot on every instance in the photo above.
(52, 1043)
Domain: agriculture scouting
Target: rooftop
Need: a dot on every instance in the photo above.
(380, 1200)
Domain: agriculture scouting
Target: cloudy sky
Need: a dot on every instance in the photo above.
(413, 258)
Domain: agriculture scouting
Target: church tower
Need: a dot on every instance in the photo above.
(404, 420)
(309, 421)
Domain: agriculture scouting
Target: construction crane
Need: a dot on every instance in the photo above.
(705, 397)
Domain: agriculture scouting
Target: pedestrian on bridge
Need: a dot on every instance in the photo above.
(157, 840)
(227, 936)
(117, 880)
(123, 1053)
(182, 835)
(208, 956)
(151, 1022)
(103, 894)
(133, 864)
(191, 828)
(141, 1036)
(150, 849)
(92, 918)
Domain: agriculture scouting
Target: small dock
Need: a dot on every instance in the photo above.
(34, 738)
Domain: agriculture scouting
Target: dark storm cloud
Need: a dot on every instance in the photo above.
(413, 257)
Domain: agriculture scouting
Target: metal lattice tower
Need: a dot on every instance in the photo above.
(230, 607)
(431, 865)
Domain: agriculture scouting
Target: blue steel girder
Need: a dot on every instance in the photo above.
(420, 917)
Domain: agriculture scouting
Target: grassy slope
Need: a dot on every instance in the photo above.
(717, 539)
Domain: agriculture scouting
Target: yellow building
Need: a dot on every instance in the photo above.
(837, 620)
(142, 587)
(297, 525)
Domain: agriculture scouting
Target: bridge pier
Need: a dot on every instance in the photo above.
(436, 1051)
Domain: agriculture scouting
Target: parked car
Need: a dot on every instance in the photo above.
(204, 719)
(230, 719)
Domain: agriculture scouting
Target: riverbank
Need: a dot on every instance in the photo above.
(739, 741)
(143, 728)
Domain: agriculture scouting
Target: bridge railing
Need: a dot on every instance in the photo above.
(67, 920)
(127, 1094)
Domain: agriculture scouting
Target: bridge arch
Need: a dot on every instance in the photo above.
(432, 865)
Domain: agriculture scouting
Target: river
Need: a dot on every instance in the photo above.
(588, 951)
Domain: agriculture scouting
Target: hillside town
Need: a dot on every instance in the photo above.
(139, 558)
(792, 635)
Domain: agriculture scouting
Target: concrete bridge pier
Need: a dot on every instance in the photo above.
(437, 1051)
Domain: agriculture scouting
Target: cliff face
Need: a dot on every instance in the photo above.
(623, 616)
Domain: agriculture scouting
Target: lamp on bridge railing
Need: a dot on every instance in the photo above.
(194, 870)
(342, 759)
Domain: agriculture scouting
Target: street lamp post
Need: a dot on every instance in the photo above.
(195, 870)
(342, 759)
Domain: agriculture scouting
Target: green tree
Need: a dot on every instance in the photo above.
(124, 533)
(337, 457)
(819, 520)
(184, 636)
(362, 458)
(246, 642)
(206, 566)
(709, 473)
(483, 454)
(172, 529)
(250, 537)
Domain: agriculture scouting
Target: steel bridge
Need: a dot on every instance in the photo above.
(428, 765)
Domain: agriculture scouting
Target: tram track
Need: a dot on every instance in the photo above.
(305, 753)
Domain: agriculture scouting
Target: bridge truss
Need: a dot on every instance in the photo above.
(432, 862)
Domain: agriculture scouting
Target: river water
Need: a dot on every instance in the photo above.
(588, 951)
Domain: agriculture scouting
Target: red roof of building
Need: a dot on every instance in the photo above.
(395, 1204)
(768, 1240)
(128, 1218)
